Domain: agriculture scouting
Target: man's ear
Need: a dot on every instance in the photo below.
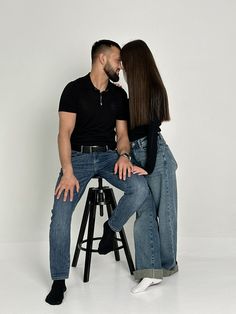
(102, 58)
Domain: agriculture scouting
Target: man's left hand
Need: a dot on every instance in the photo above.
(122, 167)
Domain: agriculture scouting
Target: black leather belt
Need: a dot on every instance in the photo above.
(92, 149)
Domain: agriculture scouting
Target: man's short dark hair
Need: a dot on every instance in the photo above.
(101, 45)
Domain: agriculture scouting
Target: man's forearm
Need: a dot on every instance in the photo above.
(64, 147)
(123, 145)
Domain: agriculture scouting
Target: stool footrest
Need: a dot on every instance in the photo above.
(96, 239)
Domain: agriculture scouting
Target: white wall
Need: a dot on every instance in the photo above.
(45, 44)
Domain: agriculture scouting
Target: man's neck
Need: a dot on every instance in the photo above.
(99, 80)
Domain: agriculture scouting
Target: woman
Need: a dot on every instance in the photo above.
(155, 254)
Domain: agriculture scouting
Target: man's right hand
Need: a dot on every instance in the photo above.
(67, 184)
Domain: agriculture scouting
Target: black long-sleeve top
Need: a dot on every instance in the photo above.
(151, 131)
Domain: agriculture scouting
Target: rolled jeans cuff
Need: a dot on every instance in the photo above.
(113, 228)
(169, 272)
(148, 273)
(60, 277)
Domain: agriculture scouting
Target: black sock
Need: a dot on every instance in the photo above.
(56, 294)
(106, 243)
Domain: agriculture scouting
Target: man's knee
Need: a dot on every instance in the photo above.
(62, 211)
(139, 186)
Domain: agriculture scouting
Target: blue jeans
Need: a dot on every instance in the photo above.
(155, 248)
(85, 166)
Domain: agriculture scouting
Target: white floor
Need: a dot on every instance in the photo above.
(205, 284)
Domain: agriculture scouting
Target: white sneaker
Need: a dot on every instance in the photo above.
(144, 284)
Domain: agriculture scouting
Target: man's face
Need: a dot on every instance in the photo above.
(113, 64)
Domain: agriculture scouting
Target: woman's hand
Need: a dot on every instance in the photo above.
(140, 171)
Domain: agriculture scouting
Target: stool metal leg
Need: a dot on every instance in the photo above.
(82, 229)
(123, 236)
(127, 251)
(92, 216)
(115, 244)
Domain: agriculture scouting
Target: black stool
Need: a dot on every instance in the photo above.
(102, 195)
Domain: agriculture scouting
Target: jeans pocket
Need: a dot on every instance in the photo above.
(74, 153)
(139, 157)
(143, 144)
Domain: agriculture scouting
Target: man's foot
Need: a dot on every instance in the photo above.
(145, 283)
(56, 294)
(106, 243)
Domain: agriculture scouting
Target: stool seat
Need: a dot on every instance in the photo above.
(99, 196)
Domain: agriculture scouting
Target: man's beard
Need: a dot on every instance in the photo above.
(112, 75)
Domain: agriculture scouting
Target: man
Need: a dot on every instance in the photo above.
(90, 108)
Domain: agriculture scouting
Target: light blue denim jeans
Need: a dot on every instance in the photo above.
(155, 248)
(85, 166)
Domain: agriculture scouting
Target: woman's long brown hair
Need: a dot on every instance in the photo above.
(147, 94)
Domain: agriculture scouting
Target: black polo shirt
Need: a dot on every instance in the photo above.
(96, 113)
